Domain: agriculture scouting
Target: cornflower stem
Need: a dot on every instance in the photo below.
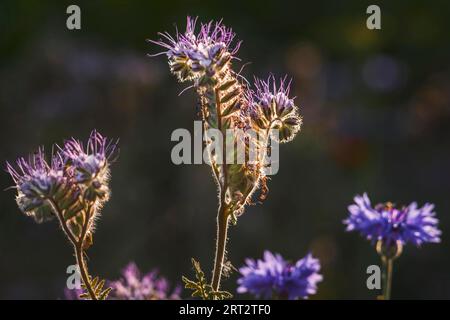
(223, 212)
(387, 276)
(77, 245)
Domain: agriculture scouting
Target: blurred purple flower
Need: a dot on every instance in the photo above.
(133, 286)
(386, 223)
(73, 294)
(275, 277)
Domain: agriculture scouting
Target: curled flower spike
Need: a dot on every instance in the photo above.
(274, 277)
(193, 55)
(37, 181)
(227, 105)
(271, 108)
(91, 164)
(384, 222)
(73, 186)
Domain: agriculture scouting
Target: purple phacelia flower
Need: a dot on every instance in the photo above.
(89, 161)
(272, 108)
(193, 55)
(73, 186)
(134, 286)
(73, 171)
(274, 277)
(390, 225)
(90, 164)
(37, 180)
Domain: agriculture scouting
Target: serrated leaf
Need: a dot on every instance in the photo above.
(94, 282)
(197, 293)
(104, 294)
(202, 288)
(99, 287)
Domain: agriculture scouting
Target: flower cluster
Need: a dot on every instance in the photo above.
(73, 185)
(274, 277)
(271, 108)
(74, 181)
(37, 180)
(90, 165)
(228, 102)
(207, 53)
(134, 286)
(391, 225)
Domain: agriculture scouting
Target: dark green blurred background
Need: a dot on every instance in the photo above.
(376, 107)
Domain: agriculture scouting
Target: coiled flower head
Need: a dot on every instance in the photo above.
(390, 225)
(272, 108)
(206, 53)
(90, 164)
(36, 180)
(75, 180)
(274, 277)
(228, 104)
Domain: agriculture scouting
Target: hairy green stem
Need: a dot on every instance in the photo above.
(83, 271)
(77, 245)
(222, 214)
(221, 242)
(387, 277)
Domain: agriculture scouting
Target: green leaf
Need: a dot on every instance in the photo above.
(104, 294)
(201, 288)
(94, 282)
(99, 287)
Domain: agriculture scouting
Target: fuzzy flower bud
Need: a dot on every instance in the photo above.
(90, 164)
(271, 108)
(36, 180)
(75, 177)
(202, 56)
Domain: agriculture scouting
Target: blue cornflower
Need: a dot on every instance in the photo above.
(390, 225)
(274, 277)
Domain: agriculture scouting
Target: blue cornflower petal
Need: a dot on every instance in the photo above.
(273, 276)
